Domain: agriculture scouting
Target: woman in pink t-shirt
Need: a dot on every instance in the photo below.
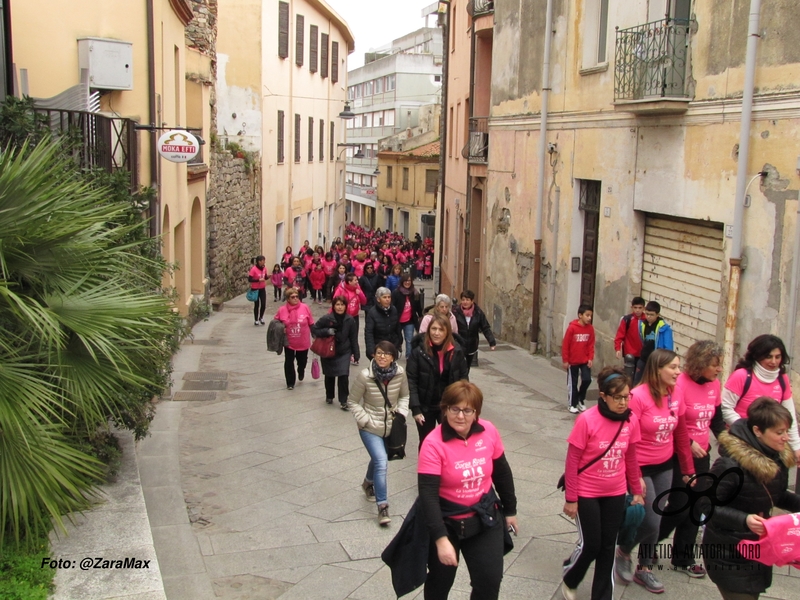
(258, 282)
(700, 387)
(661, 412)
(461, 464)
(762, 372)
(597, 477)
(297, 318)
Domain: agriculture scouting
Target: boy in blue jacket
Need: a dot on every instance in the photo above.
(655, 333)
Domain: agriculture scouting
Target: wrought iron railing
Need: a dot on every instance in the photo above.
(482, 7)
(651, 60)
(477, 150)
(108, 143)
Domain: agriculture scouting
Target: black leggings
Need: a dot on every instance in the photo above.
(316, 294)
(483, 554)
(276, 292)
(432, 418)
(599, 520)
(260, 305)
(288, 364)
(344, 387)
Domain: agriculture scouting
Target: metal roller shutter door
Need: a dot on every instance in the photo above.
(682, 271)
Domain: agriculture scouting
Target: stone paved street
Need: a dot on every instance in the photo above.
(256, 493)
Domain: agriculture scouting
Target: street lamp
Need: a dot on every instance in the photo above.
(377, 171)
(347, 114)
(345, 145)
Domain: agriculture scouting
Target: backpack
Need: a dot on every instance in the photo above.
(627, 319)
(749, 380)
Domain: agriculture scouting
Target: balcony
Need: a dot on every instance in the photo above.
(482, 13)
(650, 67)
(477, 148)
(476, 8)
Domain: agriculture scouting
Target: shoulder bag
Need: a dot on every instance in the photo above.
(561, 485)
(324, 347)
(395, 442)
(252, 295)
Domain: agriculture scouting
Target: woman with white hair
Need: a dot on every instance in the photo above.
(442, 306)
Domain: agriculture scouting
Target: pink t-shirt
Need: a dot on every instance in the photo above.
(656, 424)
(465, 467)
(593, 433)
(757, 389)
(256, 272)
(701, 401)
(298, 322)
(405, 316)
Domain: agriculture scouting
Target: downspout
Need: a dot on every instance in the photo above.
(792, 321)
(551, 284)
(468, 202)
(537, 240)
(9, 51)
(155, 204)
(437, 283)
(741, 185)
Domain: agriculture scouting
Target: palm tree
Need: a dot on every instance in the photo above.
(82, 339)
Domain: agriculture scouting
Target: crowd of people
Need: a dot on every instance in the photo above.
(638, 470)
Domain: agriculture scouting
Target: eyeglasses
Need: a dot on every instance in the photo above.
(467, 412)
(380, 354)
(621, 399)
(292, 296)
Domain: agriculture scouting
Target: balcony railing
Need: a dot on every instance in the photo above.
(477, 150)
(100, 142)
(481, 7)
(651, 60)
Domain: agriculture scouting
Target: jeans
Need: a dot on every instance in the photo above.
(648, 530)
(260, 305)
(288, 364)
(344, 388)
(378, 465)
(577, 395)
(408, 333)
(598, 521)
(483, 554)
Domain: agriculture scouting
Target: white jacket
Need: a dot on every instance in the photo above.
(368, 406)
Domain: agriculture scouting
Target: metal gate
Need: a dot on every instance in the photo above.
(682, 271)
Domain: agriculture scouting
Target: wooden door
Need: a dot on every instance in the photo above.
(590, 203)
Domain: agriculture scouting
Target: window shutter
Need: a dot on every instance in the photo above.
(313, 48)
(299, 33)
(334, 62)
(332, 142)
(310, 139)
(297, 138)
(283, 29)
(322, 139)
(281, 136)
(323, 56)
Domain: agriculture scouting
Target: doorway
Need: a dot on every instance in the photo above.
(590, 205)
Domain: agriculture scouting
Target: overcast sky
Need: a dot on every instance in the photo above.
(375, 23)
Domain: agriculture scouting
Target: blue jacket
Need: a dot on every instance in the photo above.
(663, 334)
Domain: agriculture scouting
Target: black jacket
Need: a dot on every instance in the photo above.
(382, 325)
(369, 285)
(478, 324)
(765, 477)
(399, 302)
(346, 344)
(424, 382)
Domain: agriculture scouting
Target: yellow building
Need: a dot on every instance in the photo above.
(281, 86)
(407, 186)
(135, 55)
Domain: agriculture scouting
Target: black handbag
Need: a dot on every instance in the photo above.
(562, 484)
(395, 442)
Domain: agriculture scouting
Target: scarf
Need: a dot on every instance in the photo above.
(406, 291)
(384, 375)
(765, 375)
(339, 319)
(610, 414)
(468, 311)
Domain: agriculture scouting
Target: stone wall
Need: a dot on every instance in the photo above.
(234, 223)
(201, 34)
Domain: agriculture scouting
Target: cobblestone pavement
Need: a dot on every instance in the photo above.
(253, 490)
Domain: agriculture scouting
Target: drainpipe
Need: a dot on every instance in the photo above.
(551, 300)
(537, 240)
(792, 322)
(442, 151)
(741, 185)
(155, 203)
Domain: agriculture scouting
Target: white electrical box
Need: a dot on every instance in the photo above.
(109, 62)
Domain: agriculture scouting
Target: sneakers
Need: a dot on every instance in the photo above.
(568, 593)
(574, 410)
(383, 515)
(623, 566)
(343, 406)
(646, 578)
(328, 400)
(261, 322)
(289, 387)
(369, 489)
(581, 407)
(694, 571)
(301, 375)
(256, 323)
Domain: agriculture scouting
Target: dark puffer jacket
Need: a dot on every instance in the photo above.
(382, 325)
(765, 479)
(369, 285)
(424, 381)
(346, 344)
(470, 332)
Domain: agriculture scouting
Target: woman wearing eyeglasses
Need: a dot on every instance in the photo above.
(661, 411)
(435, 362)
(298, 320)
(601, 467)
(462, 470)
(379, 391)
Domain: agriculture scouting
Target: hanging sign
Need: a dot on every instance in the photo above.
(178, 146)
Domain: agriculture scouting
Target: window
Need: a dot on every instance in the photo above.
(367, 118)
(431, 179)
(451, 136)
(357, 91)
(299, 37)
(283, 29)
(388, 118)
(323, 56)
(379, 85)
(405, 178)
(332, 141)
(351, 92)
(377, 119)
(297, 138)
(390, 82)
(350, 123)
(281, 136)
(313, 48)
(335, 62)
(595, 30)
(368, 89)
(321, 140)
(388, 177)
(310, 139)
